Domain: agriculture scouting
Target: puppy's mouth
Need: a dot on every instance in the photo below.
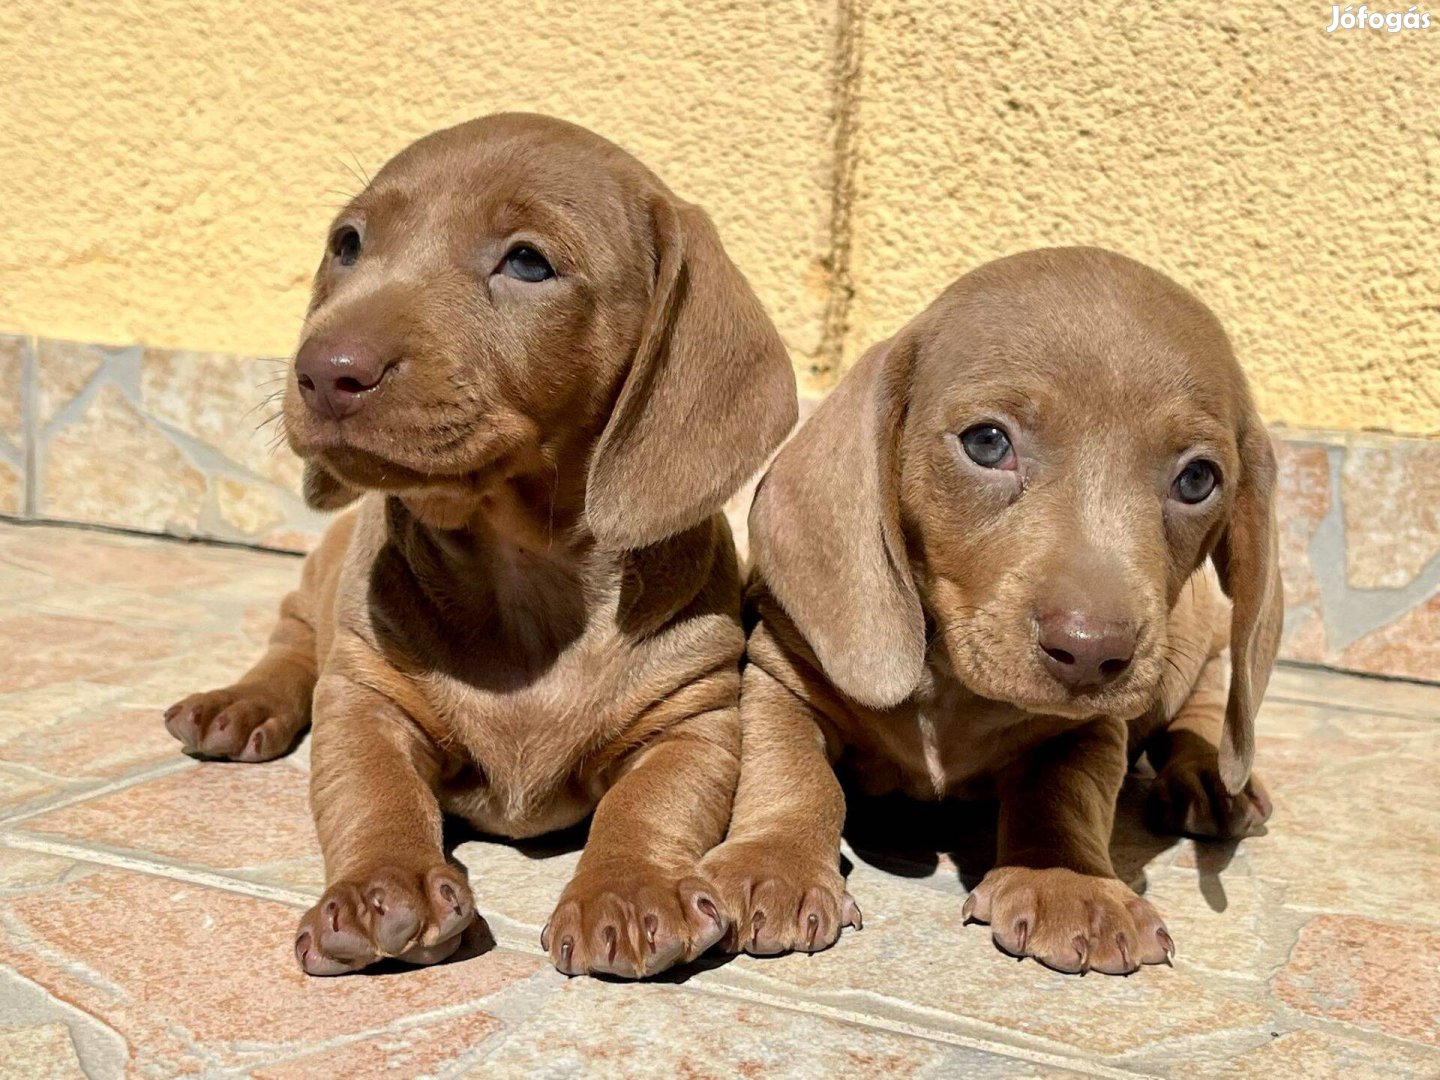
(1007, 671)
(383, 453)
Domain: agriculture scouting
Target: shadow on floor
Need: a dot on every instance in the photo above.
(908, 838)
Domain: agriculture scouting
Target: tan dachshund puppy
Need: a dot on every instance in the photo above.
(983, 568)
(541, 376)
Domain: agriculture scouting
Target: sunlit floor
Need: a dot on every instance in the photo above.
(147, 901)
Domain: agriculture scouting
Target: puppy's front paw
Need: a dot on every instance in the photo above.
(781, 901)
(632, 923)
(418, 917)
(1070, 922)
(1189, 798)
(238, 723)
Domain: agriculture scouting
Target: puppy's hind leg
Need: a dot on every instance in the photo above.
(260, 716)
(1188, 796)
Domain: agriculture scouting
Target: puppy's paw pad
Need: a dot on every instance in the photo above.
(1071, 922)
(236, 724)
(780, 904)
(1189, 798)
(632, 925)
(415, 916)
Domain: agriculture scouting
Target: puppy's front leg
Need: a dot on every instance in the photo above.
(1053, 894)
(390, 891)
(636, 905)
(778, 870)
(1187, 795)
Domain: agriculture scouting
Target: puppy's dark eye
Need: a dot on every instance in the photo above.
(987, 445)
(345, 245)
(1195, 482)
(526, 264)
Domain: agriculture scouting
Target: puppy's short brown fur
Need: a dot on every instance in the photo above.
(1018, 623)
(544, 375)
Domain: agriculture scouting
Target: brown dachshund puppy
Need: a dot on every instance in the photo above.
(545, 376)
(981, 569)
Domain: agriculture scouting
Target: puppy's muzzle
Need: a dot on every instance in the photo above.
(337, 375)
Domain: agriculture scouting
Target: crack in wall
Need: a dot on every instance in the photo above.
(835, 320)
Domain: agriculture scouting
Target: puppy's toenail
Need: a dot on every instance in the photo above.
(1082, 949)
(332, 911)
(814, 923)
(1166, 943)
(1124, 951)
(652, 924)
(756, 925)
(610, 943)
(1022, 930)
(708, 907)
(968, 911)
(377, 900)
(545, 937)
(257, 743)
(567, 948)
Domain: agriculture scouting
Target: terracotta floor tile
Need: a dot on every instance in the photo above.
(1373, 974)
(1315, 1055)
(194, 977)
(223, 816)
(44, 649)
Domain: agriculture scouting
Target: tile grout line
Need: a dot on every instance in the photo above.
(99, 791)
(900, 1027)
(188, 875)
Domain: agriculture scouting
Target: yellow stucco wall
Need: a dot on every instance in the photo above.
(167, 171)
(1289, 177)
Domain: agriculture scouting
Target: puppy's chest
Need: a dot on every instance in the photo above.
(947, 743)
(518, 744)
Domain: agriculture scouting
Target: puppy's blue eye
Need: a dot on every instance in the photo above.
(987, 445)
(1195, 482)
(345, 245)
(526, 264)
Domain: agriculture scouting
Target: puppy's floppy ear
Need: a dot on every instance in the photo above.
(710, 393)
(324, 491)
(1247, 559)
(825, 534)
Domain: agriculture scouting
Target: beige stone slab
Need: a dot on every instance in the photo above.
(224, 401)
(1392, 511)
(195, 978)
(110, 467)
(594, 1029)
(12, 358)
(418, 1050)
(63, 370)
(39, 1050)
(915, 959)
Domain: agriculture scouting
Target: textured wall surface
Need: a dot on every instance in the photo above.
(169, 169)
(1286, 175)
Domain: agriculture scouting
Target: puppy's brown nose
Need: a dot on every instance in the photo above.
(1084, 652)
(336, 374)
